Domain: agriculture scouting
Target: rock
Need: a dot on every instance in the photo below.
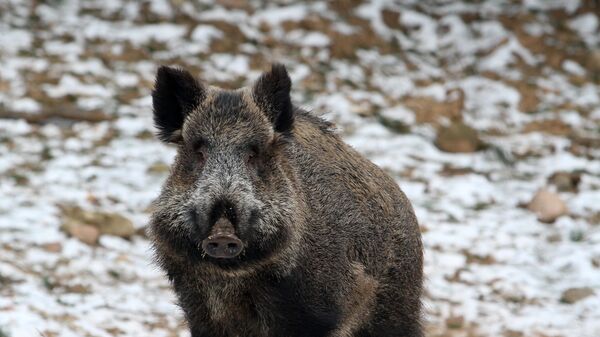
(565, 181)
(78, 289)
(53, 247)
(84, 233)
(573, 295)
(547, 206)
(116, 224)
(104, 222)
(458, 137)
(553, 238)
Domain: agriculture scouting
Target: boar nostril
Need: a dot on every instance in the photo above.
(223, 246)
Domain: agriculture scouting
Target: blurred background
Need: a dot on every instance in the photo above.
(487, 113)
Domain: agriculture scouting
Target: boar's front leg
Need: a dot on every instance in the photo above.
(200, 331)
(359, 304)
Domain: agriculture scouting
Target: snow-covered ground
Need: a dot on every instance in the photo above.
(76, 129)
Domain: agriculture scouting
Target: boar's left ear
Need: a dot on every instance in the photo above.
(272, 94)
(176, 93)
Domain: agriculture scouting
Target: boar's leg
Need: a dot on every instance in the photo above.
(397, 312)
(201, 331)
(359, 303)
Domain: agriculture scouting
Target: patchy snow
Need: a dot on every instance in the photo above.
(204, 34)
(587, 26)
(70, 85)
(505, 55)
(164, 32)
(14, 40)
(275, 15)
(573, 68)
(491, 265)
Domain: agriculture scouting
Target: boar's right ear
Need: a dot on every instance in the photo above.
(176, 93)
(271, 92)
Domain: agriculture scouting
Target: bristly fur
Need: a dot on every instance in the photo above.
(331, 246)
(176, 93)
(272, 93)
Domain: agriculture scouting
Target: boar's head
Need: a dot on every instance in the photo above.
(231, 199)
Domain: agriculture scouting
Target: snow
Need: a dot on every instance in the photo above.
(164, 32)
(585, 25)
(573, 68)
(204, 34)
(488, 259)
(504, 55)
(275, 15)
(70, 85)
(13, 41)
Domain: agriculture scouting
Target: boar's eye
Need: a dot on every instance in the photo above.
(252, 156)
(201, 156)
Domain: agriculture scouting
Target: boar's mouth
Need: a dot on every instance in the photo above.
(253, 250)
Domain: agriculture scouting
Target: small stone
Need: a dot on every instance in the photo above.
(115, 224)
(52, 247)
(573, 295)
(565, 181)
(457, 138)
(553, 238)
(84, 233)
(547, 206)
(78, 289)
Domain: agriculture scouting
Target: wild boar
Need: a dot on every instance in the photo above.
(269, 225)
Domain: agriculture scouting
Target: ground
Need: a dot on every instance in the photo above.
(473, 107)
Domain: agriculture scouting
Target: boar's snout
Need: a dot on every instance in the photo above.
(222, 246)
(222, 242)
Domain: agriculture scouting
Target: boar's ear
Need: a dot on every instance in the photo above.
(271, 92)
(176, 93)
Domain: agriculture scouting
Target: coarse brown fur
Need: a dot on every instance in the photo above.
(332, 246)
